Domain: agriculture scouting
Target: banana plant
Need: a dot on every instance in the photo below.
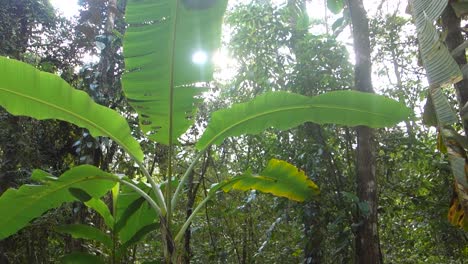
(127, 223)
(442, 70)
(162, 83)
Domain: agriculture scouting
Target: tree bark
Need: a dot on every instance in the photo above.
(367, 239)
(451, 25)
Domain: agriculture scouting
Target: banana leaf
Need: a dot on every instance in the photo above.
(20, 206)
(279, 178)
(284, 110)
(27, 91)
(440, 66)
(162, 81)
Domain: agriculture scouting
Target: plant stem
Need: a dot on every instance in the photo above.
(144, 195)
(156, 189)
(189, 220)
(171, 116)
(184, 178)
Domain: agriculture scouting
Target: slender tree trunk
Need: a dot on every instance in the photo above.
(313, 233)
(107, 63)
(367, 239)
(311, 213)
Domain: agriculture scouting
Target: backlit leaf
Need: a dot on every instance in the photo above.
(284, 110)
(278, 178)
(27, 91)
(159, 45)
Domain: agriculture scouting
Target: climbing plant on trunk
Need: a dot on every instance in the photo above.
(367, 237)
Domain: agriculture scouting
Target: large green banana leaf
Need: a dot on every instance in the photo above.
(20, 206)
(284, 110)
(27, 91)
(161, 78)
(279, 178)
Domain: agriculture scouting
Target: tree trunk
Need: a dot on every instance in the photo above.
(451, 25)
(367, 240)
(313, 233)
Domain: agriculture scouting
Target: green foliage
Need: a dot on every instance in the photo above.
(160, 82)
(31, 201)
(132, 214)
(86, 232)
(286, 110)
(27, 91)
(101, 208)
(134, 221)
(442, 69)
(81, 258)
(336, 6)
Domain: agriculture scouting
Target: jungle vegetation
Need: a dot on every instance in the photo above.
(122, 141)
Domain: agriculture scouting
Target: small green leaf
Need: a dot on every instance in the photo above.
(335, 6)
(80, 194)
(429, 117)
(103, 210)
(42, 176)
(86, 232)
(338, 23)
(278, 178)
(364, 208)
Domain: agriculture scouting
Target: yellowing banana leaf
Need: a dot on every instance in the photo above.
(279, 178)
(168, 49)
(459, 206)
(284, 110)
(27, 91)
(31, 201)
